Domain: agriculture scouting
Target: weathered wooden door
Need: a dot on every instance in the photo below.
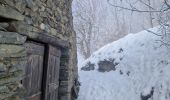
(34, 71)
(52, 73)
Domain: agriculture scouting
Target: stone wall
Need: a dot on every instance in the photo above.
(12, 62)
(32, 19)
(51, 16)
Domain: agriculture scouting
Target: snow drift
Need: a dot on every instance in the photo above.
(140, 70)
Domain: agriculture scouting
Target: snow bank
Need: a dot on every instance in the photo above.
(142, 72)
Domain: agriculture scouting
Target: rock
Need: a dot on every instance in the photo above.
(3, 68)
(4, 89)
(4, 25)
(12, 51)
(120, 50)
(88, 67)
(63, 90)
(27, 12)
(31, 5)
(17, 66)
(6, 95)
(51, 23)
(35, 20)
(7, 67)
(2, 29)
(107, 65)
(42, 26)
(49, 3)
(64, 63)
(28, 20)
(11, 38)
(9, 13)
(65, 19)
(20, 5)
(11, 77)
(65, 74)
(45, 28)
(23, 28)
(12, 91)
(21, 92)
(42, 9)
(49, 11)
(53, 31)
(43, 14)
(8, 2)
(3, 2)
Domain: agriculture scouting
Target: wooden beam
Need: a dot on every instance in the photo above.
(47, 39)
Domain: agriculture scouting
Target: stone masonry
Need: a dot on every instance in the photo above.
(21, 20)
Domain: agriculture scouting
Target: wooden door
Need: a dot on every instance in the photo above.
(34, 71)
(52, 73)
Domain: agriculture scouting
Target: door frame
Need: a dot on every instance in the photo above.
(47, 40)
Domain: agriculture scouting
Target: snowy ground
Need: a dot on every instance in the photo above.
(142, 72)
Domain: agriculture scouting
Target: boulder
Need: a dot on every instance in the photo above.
(107, 65)
(89, 66)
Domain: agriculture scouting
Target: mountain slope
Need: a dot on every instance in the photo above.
(132, 68)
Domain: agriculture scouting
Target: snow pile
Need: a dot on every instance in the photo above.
(142, 70)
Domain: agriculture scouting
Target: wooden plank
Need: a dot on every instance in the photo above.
(35, 97)
(54, 51)
(34, 70)
(34, 48)
(52, 75)
(46, 38)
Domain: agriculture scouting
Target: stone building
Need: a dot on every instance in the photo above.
(37, 50)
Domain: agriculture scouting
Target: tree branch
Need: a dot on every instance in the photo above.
(146, 4)
(168, 5)
(131, 9)
(153, 32)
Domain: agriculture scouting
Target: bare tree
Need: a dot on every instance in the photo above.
(98, 22)
(85, 26)
(163, 16)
